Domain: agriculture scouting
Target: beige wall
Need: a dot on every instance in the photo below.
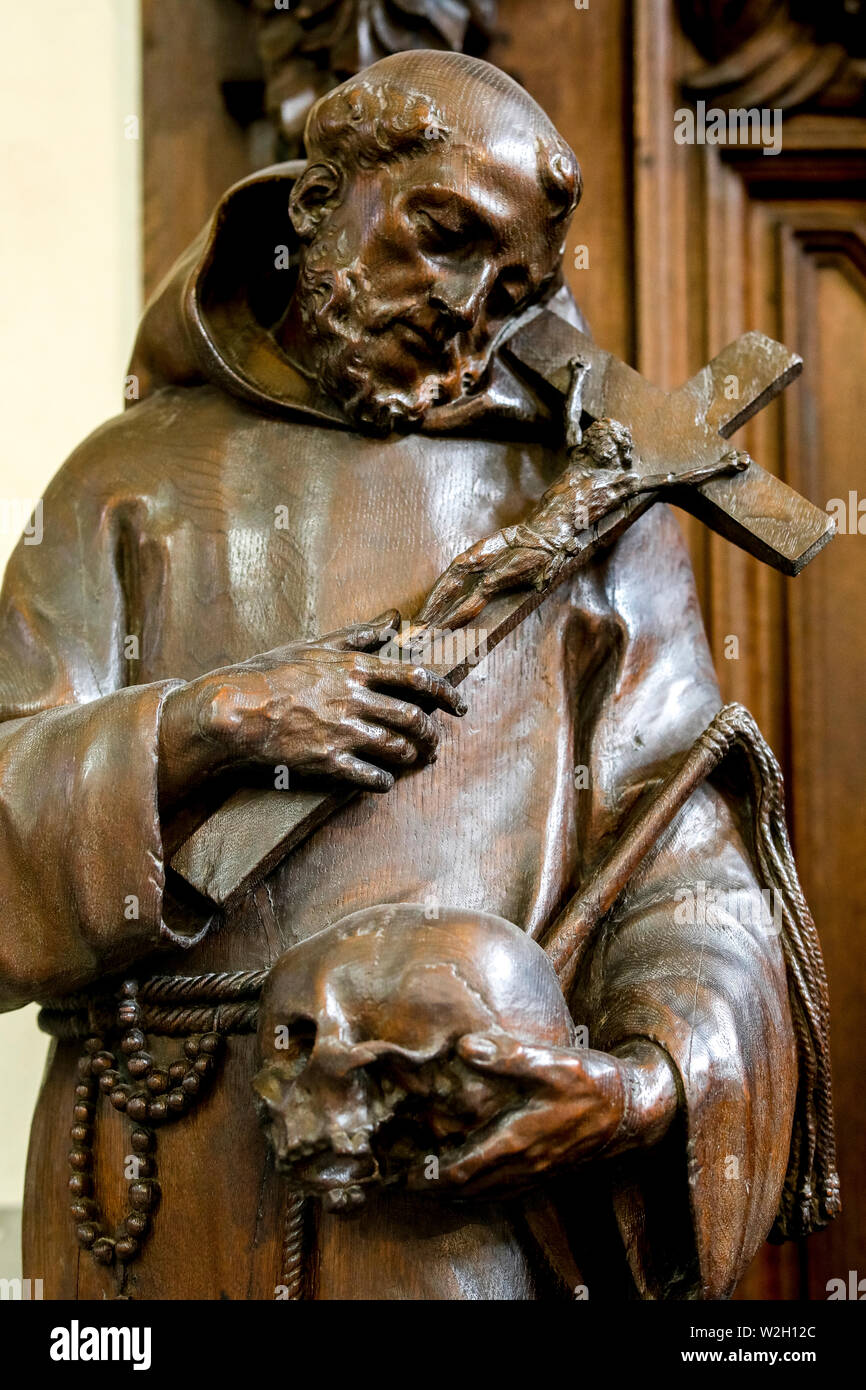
(69, 249)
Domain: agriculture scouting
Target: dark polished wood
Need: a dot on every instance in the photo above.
(257, 655)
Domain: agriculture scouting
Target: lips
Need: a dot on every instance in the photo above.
(326, 1170)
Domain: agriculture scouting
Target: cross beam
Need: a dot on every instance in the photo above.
(674, 430)
(242, 841)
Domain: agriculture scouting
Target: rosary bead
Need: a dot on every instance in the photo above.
(126, 1248)
(143, 1195)
(163, 1092)
(139, 1064)
(84, 1209)
(157, 1110)
(128, 1013)
(142, 1141)
(137, 1223)
(133, 1041)
(86, 1234)
(136, 1107)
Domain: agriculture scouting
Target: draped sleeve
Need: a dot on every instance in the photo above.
(81, 856)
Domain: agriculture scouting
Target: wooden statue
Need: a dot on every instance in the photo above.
(547, 1019)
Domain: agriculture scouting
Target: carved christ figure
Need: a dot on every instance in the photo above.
(325, 420)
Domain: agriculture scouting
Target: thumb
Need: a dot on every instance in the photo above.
(361, 637)
(486, 1051)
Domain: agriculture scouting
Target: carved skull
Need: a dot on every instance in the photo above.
(357, 1034)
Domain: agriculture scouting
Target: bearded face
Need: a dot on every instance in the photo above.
(385, 361)
(409, 277)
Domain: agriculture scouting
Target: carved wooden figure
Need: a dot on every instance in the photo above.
(550, 1012)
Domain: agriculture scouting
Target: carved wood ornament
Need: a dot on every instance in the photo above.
(308, 49)
(792, 55)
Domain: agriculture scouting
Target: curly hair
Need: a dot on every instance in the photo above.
(363, 124)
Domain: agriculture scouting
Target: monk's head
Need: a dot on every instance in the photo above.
(434, 208)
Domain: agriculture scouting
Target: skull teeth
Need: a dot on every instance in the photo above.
(343, 1199)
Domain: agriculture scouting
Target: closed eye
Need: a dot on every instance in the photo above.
(437, 236)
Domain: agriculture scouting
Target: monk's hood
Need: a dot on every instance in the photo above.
(212, 320)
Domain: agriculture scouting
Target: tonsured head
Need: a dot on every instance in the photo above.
(357, 1033)
(433, 208)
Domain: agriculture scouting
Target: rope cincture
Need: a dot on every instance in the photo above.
(171, 1006)
(810, 1195)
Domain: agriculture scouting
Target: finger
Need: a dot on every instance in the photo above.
(438, 605)
(464, 608)
(505, 1056)
(498, 1146)
(399, 715)
(359, 637)
(460, 578)
(368, 636)
(380, 743)
(355, 770)
(453, 581)
(398, 675)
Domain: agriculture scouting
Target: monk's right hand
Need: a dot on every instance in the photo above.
(328, 707)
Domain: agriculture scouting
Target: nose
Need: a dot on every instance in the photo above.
(459, 298)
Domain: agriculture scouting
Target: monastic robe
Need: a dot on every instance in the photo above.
(163, 526)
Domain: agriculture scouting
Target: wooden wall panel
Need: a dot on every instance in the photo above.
(577, 63)
(192, 148)
(828, 680)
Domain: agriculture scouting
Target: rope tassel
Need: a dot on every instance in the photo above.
(810, 1196)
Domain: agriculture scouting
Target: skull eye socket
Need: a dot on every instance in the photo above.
(294, 1040)
(302, 1036)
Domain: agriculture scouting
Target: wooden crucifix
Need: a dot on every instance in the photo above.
(678, 449)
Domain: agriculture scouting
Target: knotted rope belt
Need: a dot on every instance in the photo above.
(172, 1006)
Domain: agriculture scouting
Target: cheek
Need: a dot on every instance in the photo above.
(393, 256)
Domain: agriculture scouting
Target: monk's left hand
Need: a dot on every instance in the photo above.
(578, 1104)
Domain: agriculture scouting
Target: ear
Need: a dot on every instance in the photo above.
(316, 193)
